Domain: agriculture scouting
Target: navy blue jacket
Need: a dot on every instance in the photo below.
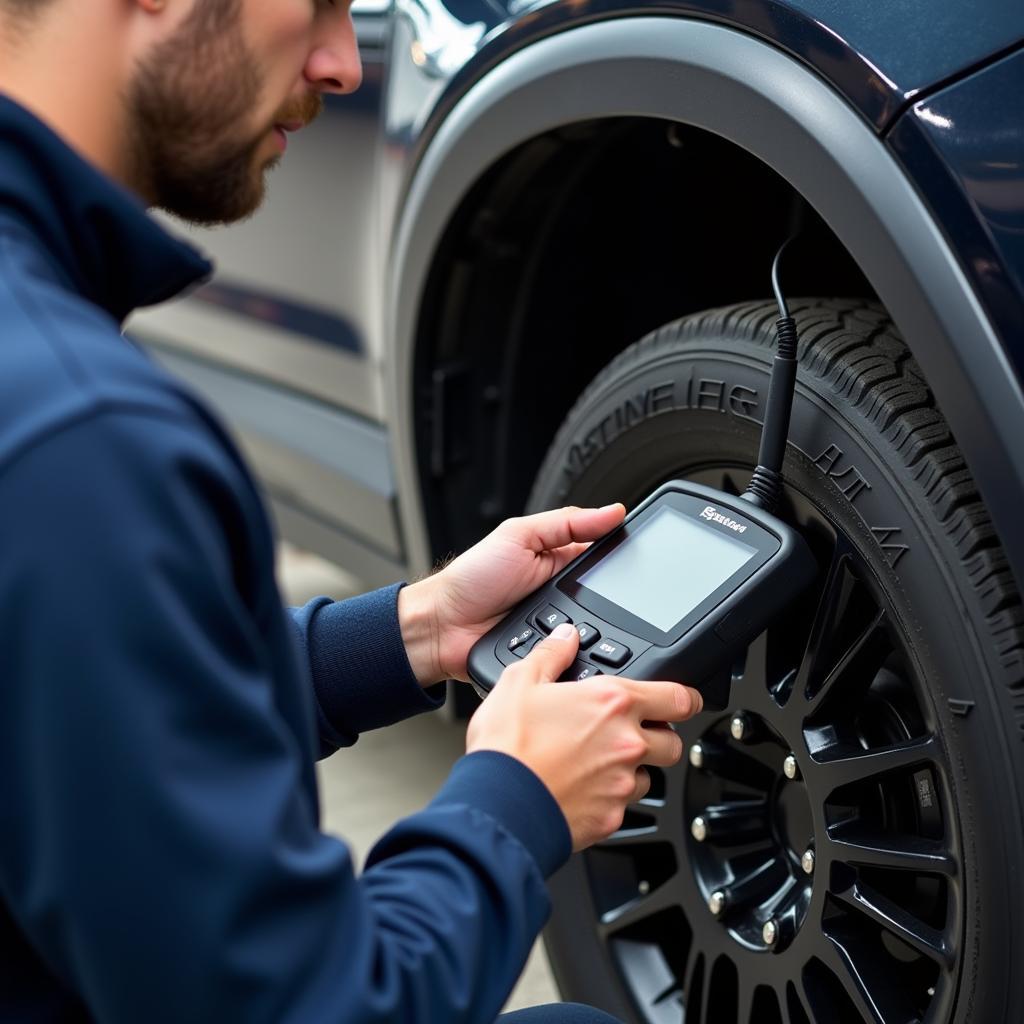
(160, 712)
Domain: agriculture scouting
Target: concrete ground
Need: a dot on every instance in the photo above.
(392, 772)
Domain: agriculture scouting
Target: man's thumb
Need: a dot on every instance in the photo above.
(553, 655)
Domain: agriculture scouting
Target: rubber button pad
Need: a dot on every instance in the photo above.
(540, 621)
(578, 671)
(522, 641)
(611, 652)
(549, 617)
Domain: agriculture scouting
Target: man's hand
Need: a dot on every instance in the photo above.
(444, 615)
(586, 741)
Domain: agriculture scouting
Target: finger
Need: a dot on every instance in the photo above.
(664, 747)
(561, 526)
(561, 557)
(552, 656)
(663, 701)
(643, 785)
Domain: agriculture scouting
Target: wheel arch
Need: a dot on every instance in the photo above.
(745, 91)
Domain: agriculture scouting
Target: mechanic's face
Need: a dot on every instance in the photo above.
(208, 106)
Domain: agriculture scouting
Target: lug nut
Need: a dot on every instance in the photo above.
(807, 862)
(739, 727)
(716, 902)
(697, 756)
(790, 768)
(770, 933)
(731, 823)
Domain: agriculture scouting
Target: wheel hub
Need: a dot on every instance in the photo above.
(750, 829)
(791, 818)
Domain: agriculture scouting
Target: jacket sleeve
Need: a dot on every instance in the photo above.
(364, 685)
(159, 846)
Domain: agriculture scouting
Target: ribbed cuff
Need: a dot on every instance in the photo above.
(361, 673)
(515, 797)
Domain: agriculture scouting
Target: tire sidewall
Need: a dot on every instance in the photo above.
(652, 420)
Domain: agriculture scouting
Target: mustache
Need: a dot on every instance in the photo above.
(304, 111)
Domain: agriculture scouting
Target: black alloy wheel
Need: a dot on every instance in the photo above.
(815, 799)
(831, 848)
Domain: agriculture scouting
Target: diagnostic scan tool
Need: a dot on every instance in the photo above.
(686, 582)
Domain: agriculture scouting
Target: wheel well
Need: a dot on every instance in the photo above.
(566, 251)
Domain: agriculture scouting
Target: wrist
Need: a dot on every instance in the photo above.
(417, 619)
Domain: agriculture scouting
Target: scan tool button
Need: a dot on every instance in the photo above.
(611, 652)
(588, 635)
(551, 617)
(521, 642)
(578, 671)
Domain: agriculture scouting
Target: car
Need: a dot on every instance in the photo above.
(527, 265)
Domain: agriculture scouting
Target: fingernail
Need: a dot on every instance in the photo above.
(608, 508)
(562, 632)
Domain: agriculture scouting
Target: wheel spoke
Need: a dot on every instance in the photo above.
(755, 665)
(651, 820)
(855, 845)
(705, 1010)
(641, 907)
(823, 663)
(744, 1001)
(637, 835)
(672, 991)
(782, 690)
(651, 806)
(905, 926)
(800, 989)
(672, 799)
(755, 885)
(841, 765)
(859, 663)
(738, 766)
(693, 983)
(859, 981)
(736, 821)
(834, 598)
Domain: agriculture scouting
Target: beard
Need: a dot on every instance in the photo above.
(186, 105)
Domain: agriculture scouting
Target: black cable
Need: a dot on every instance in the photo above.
(765, 487)
(776, 287)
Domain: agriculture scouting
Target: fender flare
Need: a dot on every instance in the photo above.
(768, 103)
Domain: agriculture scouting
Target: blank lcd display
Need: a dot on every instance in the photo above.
(666, 568)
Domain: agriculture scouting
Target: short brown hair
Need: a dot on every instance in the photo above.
(20, 15)
(24, 8)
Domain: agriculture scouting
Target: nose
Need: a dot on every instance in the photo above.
(334, 64)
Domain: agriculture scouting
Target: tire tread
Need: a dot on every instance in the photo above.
(854, 350)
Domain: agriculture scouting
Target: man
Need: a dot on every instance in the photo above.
(160, 713)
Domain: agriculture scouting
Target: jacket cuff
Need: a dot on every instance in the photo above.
(361, 673)
(510, 793)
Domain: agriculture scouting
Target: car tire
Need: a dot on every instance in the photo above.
(897, 682)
